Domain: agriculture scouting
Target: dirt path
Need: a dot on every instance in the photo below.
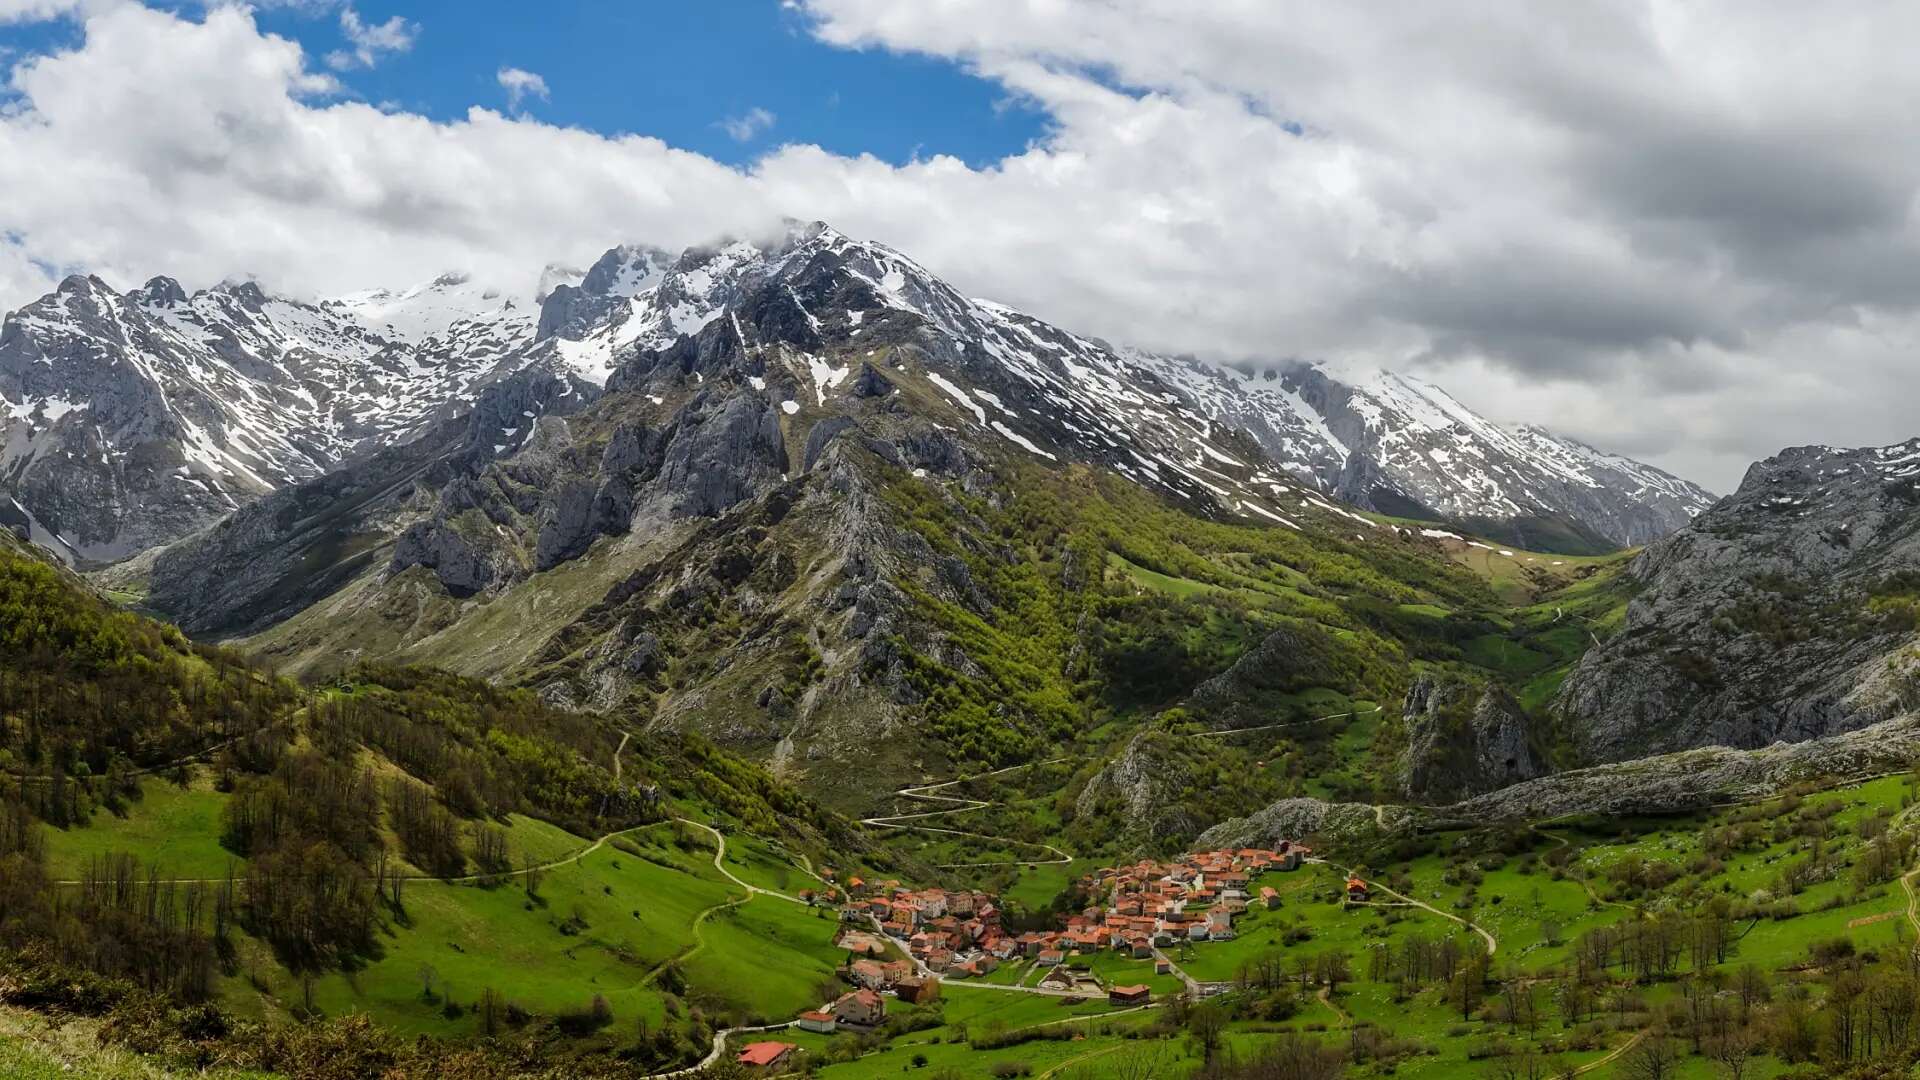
(618, 751)
(1610, 1058)
(1913, 900)
(457, 879)
(1342, 1020)
(1070, 1062)
(1288, 724)
(719, 863)
(1056, 855)
(29, 778)
(1493, 943)
(1584, 883)
(961, 805)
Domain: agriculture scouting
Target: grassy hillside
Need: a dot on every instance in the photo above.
(538, 890)
(1769, 930)
(441, 855)
(1111, 611)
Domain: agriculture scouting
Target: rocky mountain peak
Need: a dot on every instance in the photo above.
(248, 391)
(160, 291)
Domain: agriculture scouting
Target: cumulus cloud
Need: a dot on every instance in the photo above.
(744, 127)
(1683, 231)
(368, 43)
(26, 11)
(520, 85)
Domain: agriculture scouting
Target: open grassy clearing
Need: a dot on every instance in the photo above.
(176, 828)
(598, 926)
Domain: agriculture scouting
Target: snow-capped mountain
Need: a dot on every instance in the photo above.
(130, 419)
(1403, 446)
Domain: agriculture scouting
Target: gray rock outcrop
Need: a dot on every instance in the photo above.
(1464, 739)
(1774, 617)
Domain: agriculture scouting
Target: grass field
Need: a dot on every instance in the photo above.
(599, 926)
(176, 828)
(767, 959)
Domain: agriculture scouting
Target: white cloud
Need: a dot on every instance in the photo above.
(367, 42)
(520, 85)
(744, 127)
(26, 11)
(1684, 231)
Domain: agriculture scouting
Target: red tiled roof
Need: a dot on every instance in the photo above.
(763, 1053)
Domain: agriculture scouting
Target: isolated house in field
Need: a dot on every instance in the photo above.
(1269, 898)
(1357, 890)
(766, 1055)
(1128, 995)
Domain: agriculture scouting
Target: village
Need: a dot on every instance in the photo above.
(906, 942)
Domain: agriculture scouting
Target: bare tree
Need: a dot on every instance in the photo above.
(1733, 1052)
(1652, 1058)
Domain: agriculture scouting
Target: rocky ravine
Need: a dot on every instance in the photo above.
(1464, 740)
(1785, 613)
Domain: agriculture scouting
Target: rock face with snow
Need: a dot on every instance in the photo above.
(130, 419)
(1398, 445)
(133, 418)
(1785, 613)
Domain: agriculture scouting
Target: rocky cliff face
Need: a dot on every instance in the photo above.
(1785, 613)
(1463, 740)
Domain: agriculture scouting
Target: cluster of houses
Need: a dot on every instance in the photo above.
(949, 933)
(1144, 907)
(954, 933)
(1152, 905)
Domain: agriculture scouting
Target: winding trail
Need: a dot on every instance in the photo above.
(457, 879)
(1615, 1056)
(1584, 882)
(150, 770)
(1343, 1020)
(1070, 1062)
(962, 805)
(1288, 724)
(720, 1037)
(955, 804)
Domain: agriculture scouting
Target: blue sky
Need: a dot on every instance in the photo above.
(675, 71)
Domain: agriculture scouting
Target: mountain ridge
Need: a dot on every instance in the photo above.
(168, 409)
